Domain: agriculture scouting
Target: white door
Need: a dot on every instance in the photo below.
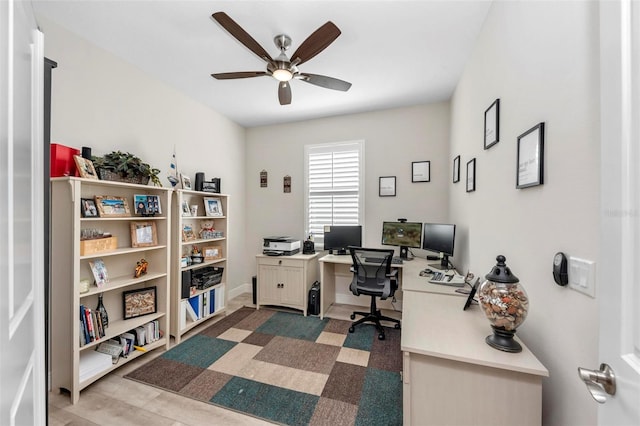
(619, 271)
(22, 324)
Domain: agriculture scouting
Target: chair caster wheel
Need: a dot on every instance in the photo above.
(397, 326)
(351, 329)
(353, 316)
(380, 336)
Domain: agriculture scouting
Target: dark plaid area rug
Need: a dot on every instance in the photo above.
(287, 368)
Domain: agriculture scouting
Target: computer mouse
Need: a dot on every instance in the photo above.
(428, 271)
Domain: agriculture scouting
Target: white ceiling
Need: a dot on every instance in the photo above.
(395, 53)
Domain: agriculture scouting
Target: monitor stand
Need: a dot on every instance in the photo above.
(404, 253)
(443, 265)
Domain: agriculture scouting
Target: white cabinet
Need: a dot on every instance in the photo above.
(199, 249)
(286, 280)
(70, 264)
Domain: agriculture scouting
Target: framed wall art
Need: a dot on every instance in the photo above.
(471, 175)
(136, 303)
(421, 171)
(456, 169)
(531, 157)
(387, 186)
(492, 124)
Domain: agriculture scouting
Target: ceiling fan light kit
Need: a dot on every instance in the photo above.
(282, 68)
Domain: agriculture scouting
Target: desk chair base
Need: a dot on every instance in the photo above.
(374, 316)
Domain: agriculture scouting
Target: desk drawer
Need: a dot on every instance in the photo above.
(281, 261)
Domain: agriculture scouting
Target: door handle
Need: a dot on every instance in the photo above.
(599, 382)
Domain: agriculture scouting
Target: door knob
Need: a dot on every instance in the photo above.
(599, 382)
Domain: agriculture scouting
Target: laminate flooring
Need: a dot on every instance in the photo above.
(114, 400)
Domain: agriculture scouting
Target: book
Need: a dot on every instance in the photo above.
(183, 314)
(195, 304)
(85, 328)
(191, 313)
(89, 322)
(129, 340)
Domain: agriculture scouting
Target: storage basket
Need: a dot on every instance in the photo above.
(98, 245)
(106, 174)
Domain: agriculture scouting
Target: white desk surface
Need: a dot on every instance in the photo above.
(435, 325)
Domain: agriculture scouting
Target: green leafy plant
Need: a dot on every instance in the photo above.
(127, 165)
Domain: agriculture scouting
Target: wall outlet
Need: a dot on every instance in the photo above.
(582, 276)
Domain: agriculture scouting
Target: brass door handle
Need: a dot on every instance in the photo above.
(599, 382)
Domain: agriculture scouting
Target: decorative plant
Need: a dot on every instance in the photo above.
(127, 164)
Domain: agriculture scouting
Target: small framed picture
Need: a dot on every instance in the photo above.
(492, 124)
(184, 207)
(213, 206)
(88, 207)
(186, 181)
(99, 271)
(112, 206)
(420, 171)
(212, 253)
(136, 303)
(143, 234)
(471, 175)
(187, 233)
(531, 157)
(387, 186)
(456, 169)
(85, 167)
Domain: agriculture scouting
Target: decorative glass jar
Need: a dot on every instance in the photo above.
(505, 303)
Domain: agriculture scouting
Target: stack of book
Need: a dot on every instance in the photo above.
(91, 325)
(92, 363)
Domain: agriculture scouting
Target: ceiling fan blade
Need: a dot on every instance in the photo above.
(284, 93)
(316, 43)
(324, 81)
(241, 35)
(242, 74)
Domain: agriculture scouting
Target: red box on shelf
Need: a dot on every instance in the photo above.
(62, 162)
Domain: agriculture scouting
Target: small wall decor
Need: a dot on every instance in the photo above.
(287, 184)
(139, 302)
(531, 157)
(387, 186)
(492, 124)
(471, 175)
(143, 234)
(456, 169)
(263, 179)
(213, 206)
(421, 171)
(85, 167)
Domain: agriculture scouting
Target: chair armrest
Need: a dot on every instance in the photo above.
(393, 273)
(352, 269)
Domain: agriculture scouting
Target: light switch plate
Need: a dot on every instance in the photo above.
(582, 276)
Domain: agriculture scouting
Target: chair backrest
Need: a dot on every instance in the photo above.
(371, 264)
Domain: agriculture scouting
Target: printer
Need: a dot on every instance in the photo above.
(280, 246)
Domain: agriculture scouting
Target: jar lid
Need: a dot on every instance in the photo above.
(501, 272)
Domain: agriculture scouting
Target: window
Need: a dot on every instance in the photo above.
(334, 186)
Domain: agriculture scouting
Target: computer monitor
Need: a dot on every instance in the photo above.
(339, 237)
(439, 238)
(403, 234)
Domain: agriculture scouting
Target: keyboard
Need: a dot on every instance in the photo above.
(394, 260)
(454, 280)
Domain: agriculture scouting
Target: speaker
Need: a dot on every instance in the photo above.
(186, 284)
(199, 181)
(86, 152)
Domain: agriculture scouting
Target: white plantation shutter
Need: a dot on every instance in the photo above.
(334, 188)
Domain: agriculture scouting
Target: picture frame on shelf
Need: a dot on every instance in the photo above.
(88, 207)
(387, 186)
(112, 206)
(85, 167)
(144, 234)
(456, 169)
(186, 182)
(421, 171)
(147, 205)
(213, 206)
(492, 124)
(184, 207)
(212, 253)
(471, 175)
(139, 302)
(99, 271)
(187, 233)
(530, 163)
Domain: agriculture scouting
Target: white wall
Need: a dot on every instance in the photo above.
(393, 139)
(100, 101)
(541, 59)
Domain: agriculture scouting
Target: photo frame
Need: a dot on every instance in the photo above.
(99, 271)
(492, 124)
(471, 175)
(186, 181)
(187, 233)
(112, 206)
(137, 303)
(212, 253)
(456, 169)
(144, 234)
(387, 186)
(530, 163)
(213, 206)
(85, 167)
(88, 207)
(421, 171)
(184, 207)
(147, 205)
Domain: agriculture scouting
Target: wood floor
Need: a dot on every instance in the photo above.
(114, 400)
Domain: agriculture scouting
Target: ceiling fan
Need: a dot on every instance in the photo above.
(282, 68)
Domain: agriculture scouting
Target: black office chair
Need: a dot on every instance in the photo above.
(372, 276)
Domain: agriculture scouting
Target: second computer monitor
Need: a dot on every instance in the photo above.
(403, 234)
(339, 237)
(439, 238)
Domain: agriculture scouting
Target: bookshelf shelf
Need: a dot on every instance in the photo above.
(182, 275)
(68, 339)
